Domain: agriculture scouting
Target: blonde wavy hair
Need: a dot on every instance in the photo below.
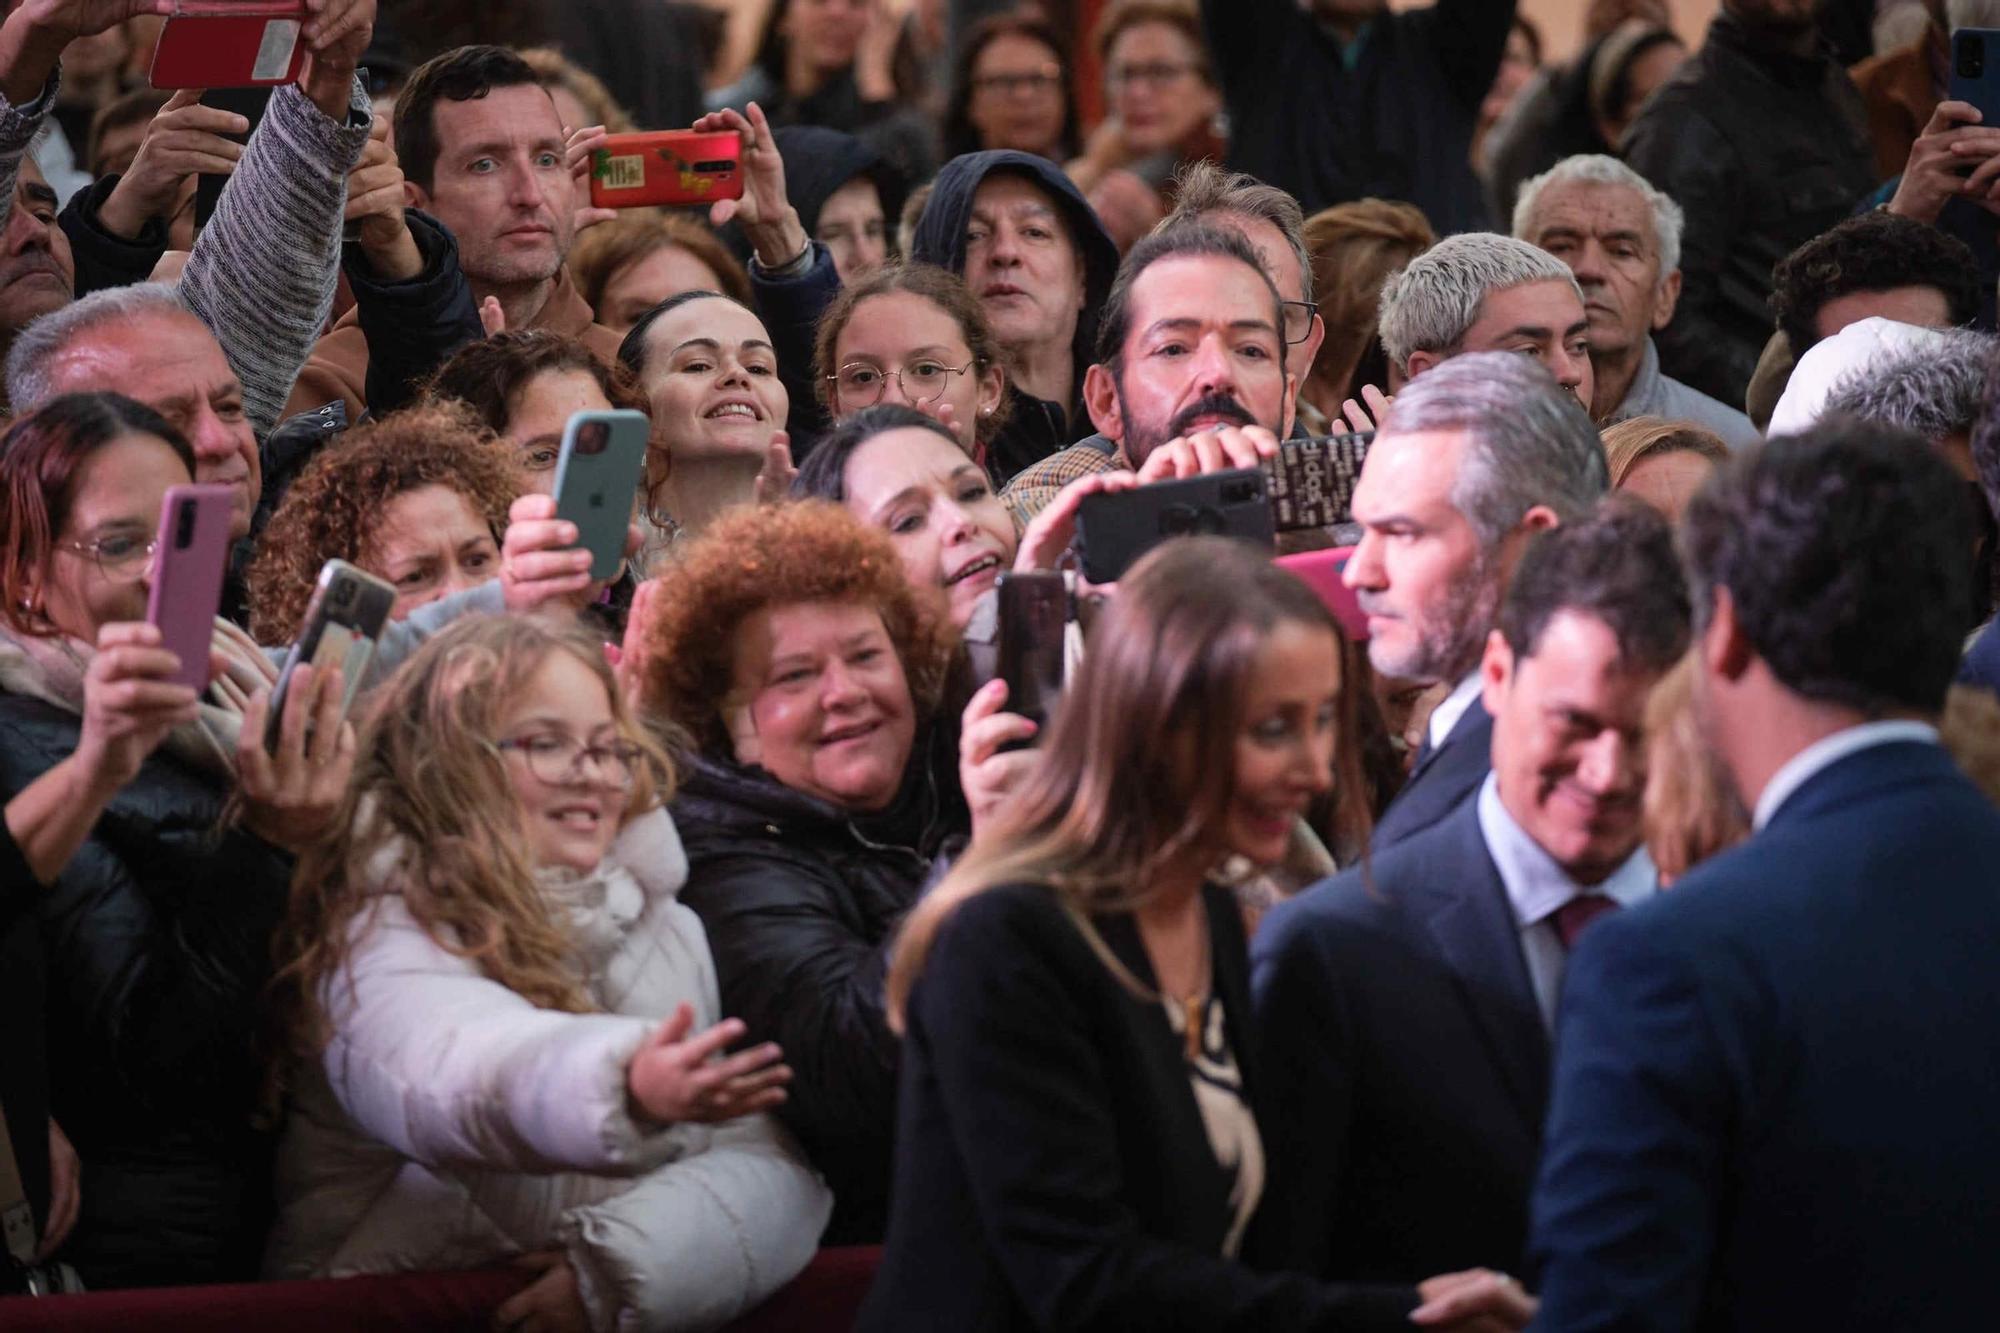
(1691, 810)
(430, 782)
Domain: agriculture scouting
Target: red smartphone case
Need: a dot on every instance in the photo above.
(230, 44)
(1320, 571)
(187, 575)
(670, 167)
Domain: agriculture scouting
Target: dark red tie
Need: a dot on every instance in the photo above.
(1576, 914)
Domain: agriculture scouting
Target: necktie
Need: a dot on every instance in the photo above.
(1579, 912)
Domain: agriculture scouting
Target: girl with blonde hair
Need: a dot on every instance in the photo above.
(502, 1022)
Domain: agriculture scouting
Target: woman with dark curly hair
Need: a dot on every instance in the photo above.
(789, 644)
(525, 384)
(419, 499)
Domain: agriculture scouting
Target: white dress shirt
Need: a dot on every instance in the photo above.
(1537, 888)
(1826, 752)
(1446, 715)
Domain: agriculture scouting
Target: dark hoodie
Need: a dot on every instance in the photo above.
(1034, 429)
(818, 161)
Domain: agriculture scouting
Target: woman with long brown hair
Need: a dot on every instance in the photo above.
(1079, 1143)
(501, 1024)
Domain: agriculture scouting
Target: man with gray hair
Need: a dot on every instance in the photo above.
(1473, 458)
(1482, 292)
(1622, 240)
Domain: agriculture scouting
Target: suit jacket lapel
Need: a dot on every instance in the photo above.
(1473, 926)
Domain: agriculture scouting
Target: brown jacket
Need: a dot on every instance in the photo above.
(1898, 89)
(339, 364)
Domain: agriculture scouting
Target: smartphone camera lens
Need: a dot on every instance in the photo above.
(591, 438)
(184, 527)
(1971, 56)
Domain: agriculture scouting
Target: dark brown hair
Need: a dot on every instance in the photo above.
(40, 459)
(605, 251)
(960, 136)
(943, 289)
(486, 376)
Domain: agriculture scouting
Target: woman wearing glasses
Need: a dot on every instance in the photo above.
(503, 1026)
(912, 335)
(157, 930)
(1011, 89)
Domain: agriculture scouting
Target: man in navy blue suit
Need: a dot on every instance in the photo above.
(1776, 1085)
(1405, 1006)
(1474, 456)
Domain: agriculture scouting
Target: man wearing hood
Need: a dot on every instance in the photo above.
(1040, 265)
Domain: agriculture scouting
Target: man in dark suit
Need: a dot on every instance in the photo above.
(1776, 1085)
(1472, 458)
(1405, 1006)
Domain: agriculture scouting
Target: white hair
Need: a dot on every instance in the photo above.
(1428, 306)
(1934, 391)
(1597, 169)
(31, 362)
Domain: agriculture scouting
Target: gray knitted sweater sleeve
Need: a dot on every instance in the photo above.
(18, 127)
(262, 272)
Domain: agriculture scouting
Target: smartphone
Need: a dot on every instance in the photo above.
(1115, 528)
(1975, 72)
(597, 476)
(1034, 618)
(1321, 571)
(187, 575)
(230, 44)
(1312, 480)
(343, 623)
(248, 103)
(674, 167)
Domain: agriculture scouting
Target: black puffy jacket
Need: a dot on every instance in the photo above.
(158, 938)
(799, 900)
(1764, 150)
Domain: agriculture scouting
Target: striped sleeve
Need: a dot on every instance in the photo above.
(18, 127)
(263, 270)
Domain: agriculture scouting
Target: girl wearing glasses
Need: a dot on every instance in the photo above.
(503, 1022)
(912, 335)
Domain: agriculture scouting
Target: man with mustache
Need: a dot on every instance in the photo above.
(483, 151)
(37, 271)
(1407, 1005)
(1472, 459)
(1190, 374)
(1622, 240)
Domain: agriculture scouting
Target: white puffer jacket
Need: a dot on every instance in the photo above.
(453, 1124)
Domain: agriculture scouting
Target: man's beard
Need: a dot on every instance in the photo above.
(1141, 438)
(1452, 634)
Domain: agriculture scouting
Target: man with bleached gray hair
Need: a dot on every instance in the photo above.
(1482, 292)
(1622, 240)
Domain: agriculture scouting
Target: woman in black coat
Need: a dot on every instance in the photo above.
(157, 931)
(1080, 1143)
(788, 645)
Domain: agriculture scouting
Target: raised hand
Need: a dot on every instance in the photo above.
(35, 32)
(1209, 451)
(987, 773)
(375, 204)
(1365, 417)
(129, 705)
(540, 562)
(1048, 536)
(675, 1077)
(582, 143)
(290, 796)
(336, 32)
(773, 483)
(184, 140)
(769, 220)
(1954, 157)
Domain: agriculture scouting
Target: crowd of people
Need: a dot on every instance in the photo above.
(1561, 889)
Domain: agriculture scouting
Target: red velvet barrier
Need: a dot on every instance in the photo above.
(823, 1299)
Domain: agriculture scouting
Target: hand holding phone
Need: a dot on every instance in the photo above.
(597, 481)
(1114, 530)
(343, 623)
(192, 552)
(1313, 480)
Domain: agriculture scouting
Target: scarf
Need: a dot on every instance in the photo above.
(52, 670)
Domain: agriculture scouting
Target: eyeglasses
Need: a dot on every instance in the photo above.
(558, 760)
(1044, 80)
(1158, 74)
(1299, 316)
(862, 384)
(120, 557)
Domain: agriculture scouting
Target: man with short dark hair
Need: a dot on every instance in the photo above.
(1760, 137)
(482, 150)
(1406, 1005)
(1339, 100)
(1473, 458)
(1190, 368)
(1774, 1086)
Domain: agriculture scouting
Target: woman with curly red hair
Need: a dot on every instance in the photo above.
(790, 645)
(418, 499)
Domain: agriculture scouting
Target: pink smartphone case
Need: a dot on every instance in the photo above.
(187, 575)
